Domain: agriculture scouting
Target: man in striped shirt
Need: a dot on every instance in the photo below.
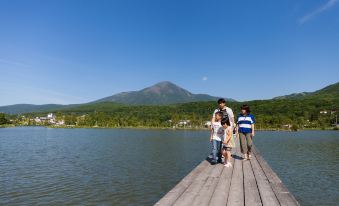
(245, 124)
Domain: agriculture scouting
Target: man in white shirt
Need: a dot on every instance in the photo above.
(227, 112)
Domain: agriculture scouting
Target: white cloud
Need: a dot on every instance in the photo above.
(204, 78)
(329, 4)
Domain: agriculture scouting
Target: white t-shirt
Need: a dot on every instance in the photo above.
(218, 131)
(229, 113)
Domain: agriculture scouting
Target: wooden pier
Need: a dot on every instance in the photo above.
(250, 183)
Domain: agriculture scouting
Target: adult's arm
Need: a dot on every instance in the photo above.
(211, 136)
(252, 126)
(231, 117)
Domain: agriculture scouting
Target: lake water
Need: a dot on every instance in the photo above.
(137, 167)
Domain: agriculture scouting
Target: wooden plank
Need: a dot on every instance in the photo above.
(189, 195)
(205, 194)
(265, 190)
(246, 183)
(285, 198)
(222, 189)
(236, 193)
(174, 194)
(252, 197)
(272, 176)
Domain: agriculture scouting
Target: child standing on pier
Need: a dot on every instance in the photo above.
(217, 133)
(228, 141)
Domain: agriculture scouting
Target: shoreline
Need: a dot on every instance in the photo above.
(7, 125)
(160, 128)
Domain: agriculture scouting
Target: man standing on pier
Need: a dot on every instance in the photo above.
(227, 112)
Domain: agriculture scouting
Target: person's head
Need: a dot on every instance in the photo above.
(245, 109)
(225, 122)
(218, 116)
(221, 103)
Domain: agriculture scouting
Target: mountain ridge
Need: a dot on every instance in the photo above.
(161, 93)
(330, 92)
(332, 89)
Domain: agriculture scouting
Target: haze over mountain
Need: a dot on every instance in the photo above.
(159, 94)
(26, 108)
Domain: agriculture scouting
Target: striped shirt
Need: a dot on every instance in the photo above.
(245, 123)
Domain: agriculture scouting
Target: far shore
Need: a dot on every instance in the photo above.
(159, 128)
(8, 125)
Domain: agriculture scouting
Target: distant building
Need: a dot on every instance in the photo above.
(184, 123)
(37, 120)
(50, 116)
(60, 123)
(286, 126)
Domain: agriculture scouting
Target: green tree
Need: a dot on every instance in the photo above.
(3, 119)
(70, 119)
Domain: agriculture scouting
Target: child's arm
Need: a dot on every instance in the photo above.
(213, 117)
(228, 137)
(211, 136)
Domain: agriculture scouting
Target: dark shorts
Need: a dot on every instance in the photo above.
(226, 148)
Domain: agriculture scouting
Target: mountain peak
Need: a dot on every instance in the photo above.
(164, 92)
(166, 87)
(164, 83)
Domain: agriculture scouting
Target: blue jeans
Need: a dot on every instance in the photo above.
(216, 150)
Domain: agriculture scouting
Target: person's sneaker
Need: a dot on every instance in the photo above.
(228, 164)
(249, 156)
(213, 162)
(223, 160)
(245, 157)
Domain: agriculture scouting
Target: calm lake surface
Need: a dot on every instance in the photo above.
(137, 167)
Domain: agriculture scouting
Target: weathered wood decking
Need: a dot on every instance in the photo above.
(249, 183)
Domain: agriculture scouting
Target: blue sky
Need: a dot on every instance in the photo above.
(78, 51)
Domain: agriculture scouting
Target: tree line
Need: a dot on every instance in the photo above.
(270, 114)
